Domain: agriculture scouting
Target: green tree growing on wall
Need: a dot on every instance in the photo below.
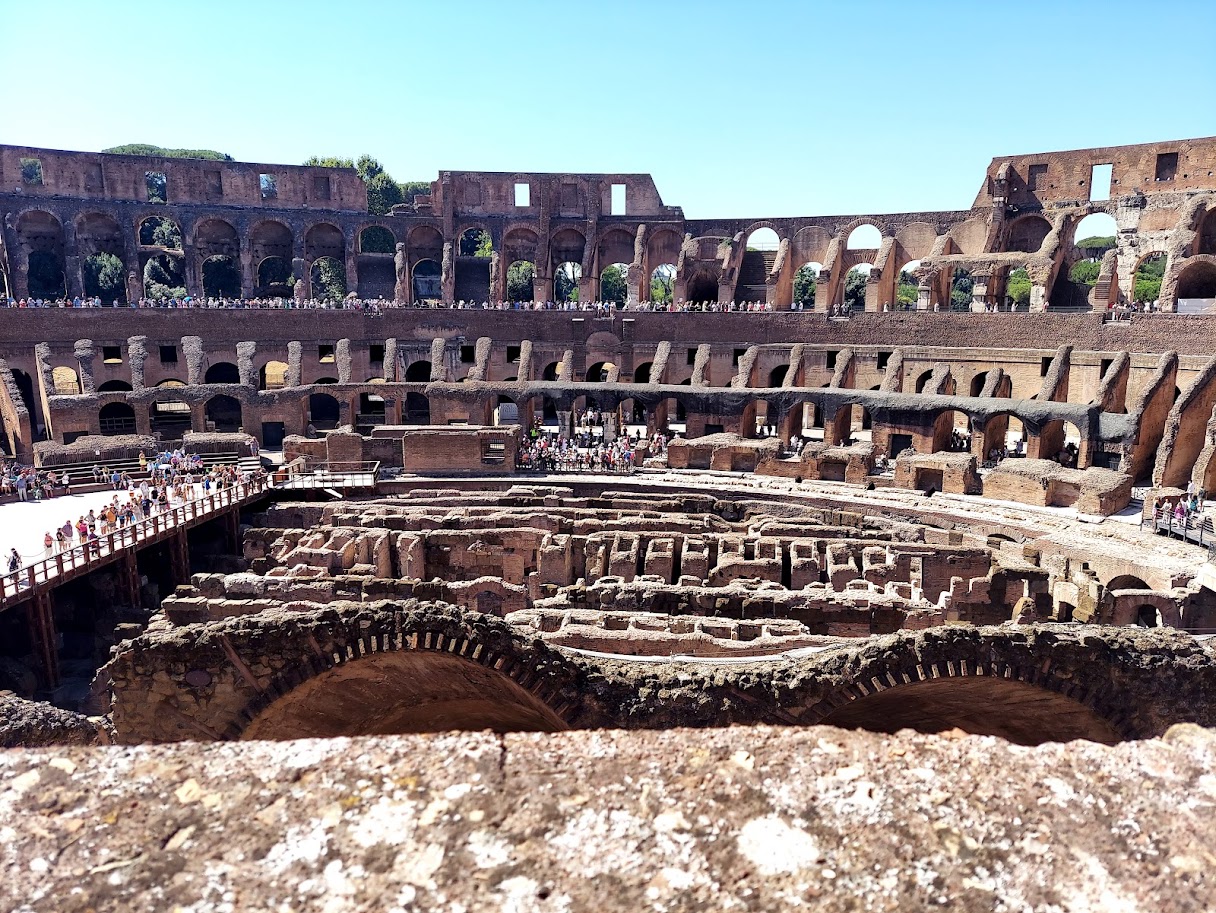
(614, 285)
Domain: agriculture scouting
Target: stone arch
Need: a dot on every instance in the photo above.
(222, 372)
(1197, 280)
(424, 242)
(159, 231)
(41, 234)
(273, 274)
(416, 410)
(418, 372)
(114, 386)
(862, 235)
(223, 414)
(428, 280)
(1127, 582)
(520, 243)
(116, 418)
(272, 375)
(566, 245)
(377, 239)
(324, 411)
(216, 238)
(762, 236)
(271, 238)
(221, 277)
(1026, 234)
(65, 381)
(98, 233)
(169, 416)
(961, 682)
(324, 239)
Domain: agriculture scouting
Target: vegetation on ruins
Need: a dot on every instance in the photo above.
(1085, 272)
(162, 152)
(960, 290)
(1148, 278)
(1018, 287)
(613, 285)
(907, 292)
(519, 281)
(855, 290)
(565, 282)
(383, 193)
(1096, 246)
(804, 285)
(476, 244)
(103, 277)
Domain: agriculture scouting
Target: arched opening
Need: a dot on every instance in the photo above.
(1148, 616)
(702, 289)
(221, 277)
(776, 377)
(864, 237)
(907, 286)
(663, 283)
(961, 287)
(1027, 234)
(922, 380)
(164, 277)
(1197, 283)
(1095, 235)
(272, 375)
(1004, 437)
(1127, 582)
(169, 418)
(418, 372)
(1146, 284)
(103, 278)
(329, 279)
(222, 372)
(274, 275)
(641, 374)
(614, 283)
(474, 251)
(269, 238)
(114, 386)
(376, 239)
(45, 278)
(759, 255)
(565, 281)
(162, 232)
(66, 382)
(403, 692)
(804, 285)
(417, 409)
(552, 371)
(25, 384)
(980, 705)
(521, 281)
(952, 432)
(325, 240)
(506, 411)
(599, 372)
(853, 289)
(323, 411)
(223, 414)
(371, 409)
(1060, 441)
(116, 418)
(428, 281)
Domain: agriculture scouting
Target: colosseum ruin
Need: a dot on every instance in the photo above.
(737, 598)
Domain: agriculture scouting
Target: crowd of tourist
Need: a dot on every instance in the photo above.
(379, 305)
(1184, 511)
(29, 483)
(541, 451)
(170, 478)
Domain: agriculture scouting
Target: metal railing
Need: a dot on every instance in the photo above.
(1198, 529)
(299, 474)
(20, 584)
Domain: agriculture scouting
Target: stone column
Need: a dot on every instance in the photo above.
(247, 270)
(245, 354)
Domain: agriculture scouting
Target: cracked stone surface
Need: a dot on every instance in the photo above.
(739, 818)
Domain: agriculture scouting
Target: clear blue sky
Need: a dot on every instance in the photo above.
(736, 108)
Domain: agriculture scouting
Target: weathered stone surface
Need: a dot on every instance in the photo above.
(742, 818)
(30, 724)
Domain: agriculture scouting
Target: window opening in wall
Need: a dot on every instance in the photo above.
(618, 199)
(1167, 166)
(320, 187)
(375, 352)
(215, 184)
(1106, 363)
(325, 354)
(738, 353)
(883, 358)
(31, 172)
(157, 185)
(692, 357)
(523, 195)
(1045, 366)
(168, 355)
(468, 354)
(111, 355)
(831, 361)
(1099, 182)
(513, 353)
(1034, 180)
(494, 452)
(269, 186)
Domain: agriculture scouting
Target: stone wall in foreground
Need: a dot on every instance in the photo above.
(739, 818)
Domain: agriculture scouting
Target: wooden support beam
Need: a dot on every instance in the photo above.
(40, 616)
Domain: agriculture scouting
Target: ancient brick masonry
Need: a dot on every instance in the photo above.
(269, 220)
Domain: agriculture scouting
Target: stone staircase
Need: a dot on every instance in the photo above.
(753, 272)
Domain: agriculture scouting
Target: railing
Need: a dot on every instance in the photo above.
(1201, 531)
(299, 475)
(19, 584)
